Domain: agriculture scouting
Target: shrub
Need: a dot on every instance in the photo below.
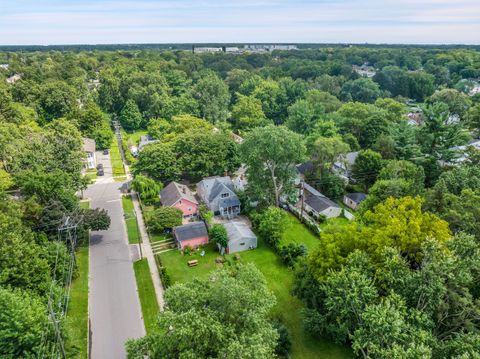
(291, 252)
(218, 234)
(284, 342)
(147, 188)
(163, 218)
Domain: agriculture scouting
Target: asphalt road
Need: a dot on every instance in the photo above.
(114, 307)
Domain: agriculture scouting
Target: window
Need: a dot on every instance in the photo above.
(225, 195)
(242, 244)
(189, 209)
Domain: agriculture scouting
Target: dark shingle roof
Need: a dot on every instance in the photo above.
(190, 231)
(316, 200)
(356, 197)
(307, 167)
(174, 192)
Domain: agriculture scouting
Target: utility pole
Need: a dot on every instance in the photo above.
(302, 198)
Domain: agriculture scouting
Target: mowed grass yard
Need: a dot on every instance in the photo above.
(146, 292)
(130, 220)
(77, 314)
(279, 279)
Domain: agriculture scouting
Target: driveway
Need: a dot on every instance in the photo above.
(114, 307)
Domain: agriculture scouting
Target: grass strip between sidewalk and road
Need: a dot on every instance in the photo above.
(130, 220)
(118, 170)
(76, 323)
(146, 293)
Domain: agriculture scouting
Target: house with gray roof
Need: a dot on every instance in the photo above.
(191, 235)
(144, 141)
(344, 164)
(240, 237)
(316, 204)
(353, 200)
(179, 196)
(218, 193)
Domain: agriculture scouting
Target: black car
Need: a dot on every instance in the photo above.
(105, 152)
(100, 166)
(100, 172)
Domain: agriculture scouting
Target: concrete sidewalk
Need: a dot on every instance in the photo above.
(147, 251)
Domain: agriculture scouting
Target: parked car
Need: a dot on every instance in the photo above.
(105, 152)
(100, 172)
(100, 165)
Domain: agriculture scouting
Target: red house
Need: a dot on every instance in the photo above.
(191, 235)
(179, 196)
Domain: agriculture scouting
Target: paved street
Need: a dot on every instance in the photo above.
(114, 307)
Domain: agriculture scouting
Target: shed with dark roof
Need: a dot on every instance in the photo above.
(191, 235)
(353, 200)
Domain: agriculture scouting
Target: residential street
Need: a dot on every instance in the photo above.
(114, 307)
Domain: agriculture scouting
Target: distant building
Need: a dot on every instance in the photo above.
(232, 49)
(14, 78)
(4, 66)
(191, 235)
(265, 48)
(144, 141)
(179, 196)
(218, 193)
(353, 200)
(364, 70)
(344, 164)
(240, 237)
(200, 50)
(88, 147)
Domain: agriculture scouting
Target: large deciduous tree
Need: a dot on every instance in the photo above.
(226, 317)
(270, 154)
(213, 97)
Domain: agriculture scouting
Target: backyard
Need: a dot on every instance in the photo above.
(280, 280)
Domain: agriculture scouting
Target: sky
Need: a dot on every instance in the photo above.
(46, 22)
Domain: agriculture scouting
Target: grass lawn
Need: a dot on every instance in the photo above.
(146, 292)
(77, 314)
(92, 174)
(280, 281)
(134, 137)
(296, 232)
(130, 220)
(116, 160)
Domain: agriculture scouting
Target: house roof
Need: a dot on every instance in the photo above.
(347, 159)
(316, 200)
(231, 201)
(238, 230)
(88, 145)
(357, 197)
(215, 185)
(145, 140)
(190, 231)
(174, 192)
(306, 167)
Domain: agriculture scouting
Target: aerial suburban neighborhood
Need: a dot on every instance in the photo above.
(251, 180)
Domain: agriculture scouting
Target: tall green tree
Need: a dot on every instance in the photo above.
(270, 154)
(213, 97)
(130, 116)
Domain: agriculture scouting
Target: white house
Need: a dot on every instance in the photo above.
(89, 148)
(240, 237)
(344, 164)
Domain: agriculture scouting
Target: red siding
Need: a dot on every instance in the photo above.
(184, 205)
(194, 242)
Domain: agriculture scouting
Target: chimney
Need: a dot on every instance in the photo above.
(184, 190)
(225, 173)
(241, 176)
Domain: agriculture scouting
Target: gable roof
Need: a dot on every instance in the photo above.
(190, 231)
(306, 167)
(316, 200)
(174, 192)
(357, 197)
(238, 230)
(88, 145)
(215, 185)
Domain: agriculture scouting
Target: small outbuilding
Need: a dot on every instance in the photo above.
(240, 237)
(191, 235)
(353, 200)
